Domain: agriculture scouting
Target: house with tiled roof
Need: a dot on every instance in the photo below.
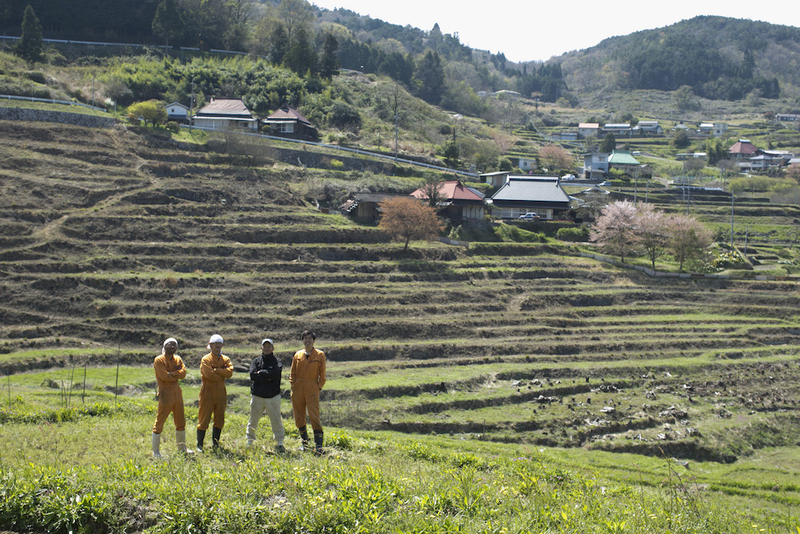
(645, 128)
(743, 149)
(542, 195)
(288, 122)
(457, 201)
(225, 114)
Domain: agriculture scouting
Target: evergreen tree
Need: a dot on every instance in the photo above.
(301, 57)
(330, 60)
(31, 44)
(168, 21)
(609, 143)
(430, 77)
(278, 43)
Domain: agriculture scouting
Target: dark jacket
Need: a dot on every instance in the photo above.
(265, 373)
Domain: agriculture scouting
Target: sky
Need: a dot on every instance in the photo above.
(525, 30)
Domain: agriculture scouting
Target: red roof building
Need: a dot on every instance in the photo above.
(457, 201)
(743, 149)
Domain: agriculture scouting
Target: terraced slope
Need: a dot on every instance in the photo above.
(111, 242)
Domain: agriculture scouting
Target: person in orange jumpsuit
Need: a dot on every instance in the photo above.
(169, 369)
(307, 377)
(215, 367)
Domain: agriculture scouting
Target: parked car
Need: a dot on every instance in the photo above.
(530, 217)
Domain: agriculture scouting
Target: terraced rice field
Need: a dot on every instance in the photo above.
(111, 242)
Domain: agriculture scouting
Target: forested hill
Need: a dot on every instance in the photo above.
(719, 57)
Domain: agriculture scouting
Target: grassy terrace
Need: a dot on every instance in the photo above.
(450, 369)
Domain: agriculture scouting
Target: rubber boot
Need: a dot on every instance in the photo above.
(215, 433)
(318, 442)
(201, 437)
(156, 445)
(180, 440)
(303, 438)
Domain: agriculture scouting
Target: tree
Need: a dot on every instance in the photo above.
(330, 61)
(407, 218)
(301, 57)
(688, 238)
(793, 172)
(276, 43)
(431, 190)
(151, 111)
(653, 231)
(430, 78)
(344, 116)
(31, 44)
(168, 21)
(296, 15)
(616, 230)
(452, 152)
(681, 140)
(685, 99)
(609, 143)
(555, 158)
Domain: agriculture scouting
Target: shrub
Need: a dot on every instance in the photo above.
(172, 126)
(580, 234)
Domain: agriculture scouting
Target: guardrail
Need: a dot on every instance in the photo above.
(346, 149)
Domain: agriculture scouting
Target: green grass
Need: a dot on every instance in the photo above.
(368, 482)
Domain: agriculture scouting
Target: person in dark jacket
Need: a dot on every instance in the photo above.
(265, 389)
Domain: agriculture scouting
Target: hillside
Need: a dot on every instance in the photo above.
(114, 239)
(720, 58)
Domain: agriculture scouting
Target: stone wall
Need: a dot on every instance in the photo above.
(41, 115)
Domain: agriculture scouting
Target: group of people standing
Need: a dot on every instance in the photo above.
(306, 377)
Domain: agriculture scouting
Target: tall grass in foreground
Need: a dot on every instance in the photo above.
(91, 472)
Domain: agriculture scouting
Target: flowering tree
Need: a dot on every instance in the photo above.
(407, 218)
(555, 158)
(617, 229)
(688, 238)
(653, 231)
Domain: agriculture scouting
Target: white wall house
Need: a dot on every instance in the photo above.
(177, 112)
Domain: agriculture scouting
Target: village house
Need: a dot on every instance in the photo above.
(595, 165)
(225, 114)
(526, 164)
(542, 195)
(624, 161)
(618, 129)
(743, 149)
(288, 122)
(457, 201)
(365, 206)
(495, 179)
(588, 129)
(712, 129)
(177, 112)
(645, 128)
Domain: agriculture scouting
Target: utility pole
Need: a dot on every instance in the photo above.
(732, 197)
(191, 106)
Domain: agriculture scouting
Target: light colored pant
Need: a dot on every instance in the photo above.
(258, 405)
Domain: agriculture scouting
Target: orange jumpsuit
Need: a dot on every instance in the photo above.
(213, 395)
(170, 396)
(307, 377)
